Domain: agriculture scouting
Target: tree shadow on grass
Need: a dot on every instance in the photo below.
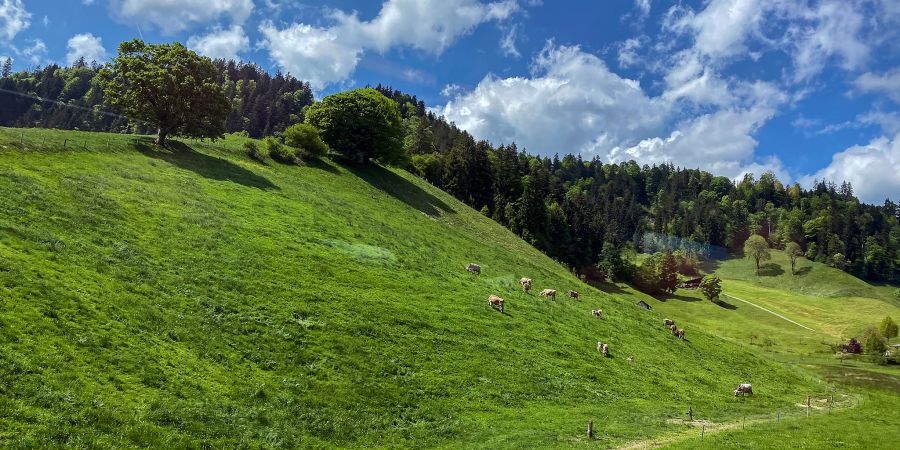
(399, 188)
(770, 270)
(802, 270)
(684, 298)
(321, 164)
(609, 288)
(180, 155)
(724, 304)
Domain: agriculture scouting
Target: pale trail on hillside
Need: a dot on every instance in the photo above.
(770, 311)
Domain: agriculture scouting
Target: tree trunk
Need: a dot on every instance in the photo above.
(161, 137)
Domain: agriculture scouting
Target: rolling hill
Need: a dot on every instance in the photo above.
(805, 313)
(193, 297)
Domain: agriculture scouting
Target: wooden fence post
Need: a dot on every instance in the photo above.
(590, 429)
(65, 141)
(807, 406)
(702, 430)
(691, 414)
(778, 416)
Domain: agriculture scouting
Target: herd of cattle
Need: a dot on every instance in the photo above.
(494, 301)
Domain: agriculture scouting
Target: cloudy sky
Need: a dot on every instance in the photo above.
(806, 88)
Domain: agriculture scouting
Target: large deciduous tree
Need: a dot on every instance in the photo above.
(757, 248)
(362, 125)
(168, 86)
(711, 286)
(793, 251)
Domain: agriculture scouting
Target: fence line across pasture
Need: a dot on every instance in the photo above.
(810, 406)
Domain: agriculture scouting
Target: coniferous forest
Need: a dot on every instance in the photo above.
(583, 213)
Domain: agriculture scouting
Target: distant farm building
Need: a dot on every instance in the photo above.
(693, 283)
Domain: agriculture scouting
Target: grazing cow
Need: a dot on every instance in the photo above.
(598, 313)
(603, 348)
(526, 284)
(548, 293)
(674, 329)
(680, 333)
(668, 322)
(495, 302)
(743, 388)
(572, 294)
(631, 359)
(474, 268)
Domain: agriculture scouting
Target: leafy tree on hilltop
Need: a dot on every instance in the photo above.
(793, 251)
(711, 286)
(362, 125)
(757, 248)
(888, 328)
(168, 86)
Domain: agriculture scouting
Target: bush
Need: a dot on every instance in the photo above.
(307, 139)
(853, 346)
(280, 152)
(252, 151)
(873, 342)
(888, 328)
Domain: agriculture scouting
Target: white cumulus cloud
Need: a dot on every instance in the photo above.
(574, 103)
(13, 19)
(172, 16)
(326, 55)
(221, 43)
(888, 83)
(872, 169)
(86, 46)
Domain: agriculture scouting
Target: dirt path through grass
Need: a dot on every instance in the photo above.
(770, 312)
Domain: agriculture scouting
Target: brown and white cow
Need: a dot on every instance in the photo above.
(474, 268)
(548, 293)
(495, 302)
(598, 313)
(603, 348)
(743, 388)
(668, 322)
(673, 329)
(526, 284)
(572, 294)
(680, 333)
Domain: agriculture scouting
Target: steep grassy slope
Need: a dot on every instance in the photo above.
(197, 298)
(834, 305)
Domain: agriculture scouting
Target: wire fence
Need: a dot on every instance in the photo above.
(700, 427)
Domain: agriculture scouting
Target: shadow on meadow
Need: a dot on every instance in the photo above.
(183, 156)
(399, 188)
(770, 270)
(724, 304)
(802, 270)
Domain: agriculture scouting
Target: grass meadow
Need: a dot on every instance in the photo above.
(193, 297)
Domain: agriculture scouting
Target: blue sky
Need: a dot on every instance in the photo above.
(805, 88)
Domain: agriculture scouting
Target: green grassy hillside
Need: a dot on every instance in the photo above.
(832, 306)
(197, 298)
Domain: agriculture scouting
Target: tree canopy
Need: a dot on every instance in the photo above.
(888, 328)
(757, 248)
(168, 86)
(711, 287)
(362, 125)
(793, 251)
